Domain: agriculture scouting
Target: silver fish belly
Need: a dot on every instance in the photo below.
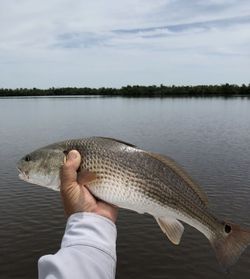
(145, 182)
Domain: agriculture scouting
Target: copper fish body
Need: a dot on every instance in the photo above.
(142, 181)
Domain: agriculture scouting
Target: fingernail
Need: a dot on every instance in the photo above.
(72, 155)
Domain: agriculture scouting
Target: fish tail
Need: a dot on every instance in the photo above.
(230, 245)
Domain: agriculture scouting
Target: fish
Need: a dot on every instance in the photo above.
(128, 177)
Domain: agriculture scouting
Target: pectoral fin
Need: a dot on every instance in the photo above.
(85, 177)
(172, 228)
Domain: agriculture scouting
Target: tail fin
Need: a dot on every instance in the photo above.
(231, 245)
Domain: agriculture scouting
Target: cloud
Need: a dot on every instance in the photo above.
(81, 40)
(200, 35)
(179, 28)
(112, 38)
(114, 43)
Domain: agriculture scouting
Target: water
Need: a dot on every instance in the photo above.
(209, 137)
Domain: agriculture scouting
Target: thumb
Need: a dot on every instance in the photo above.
(69, 169)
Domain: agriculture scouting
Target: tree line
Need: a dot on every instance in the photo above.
(226, 90)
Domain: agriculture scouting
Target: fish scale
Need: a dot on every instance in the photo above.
(157, 188)
(145, 182)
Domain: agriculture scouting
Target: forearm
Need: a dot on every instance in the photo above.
(88, 250)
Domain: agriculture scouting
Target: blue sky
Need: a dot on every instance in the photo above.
(112, 43)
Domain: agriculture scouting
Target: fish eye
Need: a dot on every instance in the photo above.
(27, 158)
(227, 228)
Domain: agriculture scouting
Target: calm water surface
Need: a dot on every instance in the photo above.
(209, 137)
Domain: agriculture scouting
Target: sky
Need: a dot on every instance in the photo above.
(114, 43)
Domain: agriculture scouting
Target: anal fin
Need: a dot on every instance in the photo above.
(172, 228)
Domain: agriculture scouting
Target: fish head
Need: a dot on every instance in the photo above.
(42, 167)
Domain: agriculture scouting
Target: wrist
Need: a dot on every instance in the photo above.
(109, 214)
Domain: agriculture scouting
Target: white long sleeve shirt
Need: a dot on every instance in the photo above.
(88, 250)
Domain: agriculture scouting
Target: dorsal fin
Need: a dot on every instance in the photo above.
(119, 141)
(178, 170)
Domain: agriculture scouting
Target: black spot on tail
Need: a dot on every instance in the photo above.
(227, 228)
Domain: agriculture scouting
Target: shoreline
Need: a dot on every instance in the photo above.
(224, 90)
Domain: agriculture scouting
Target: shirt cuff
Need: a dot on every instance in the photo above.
(90, 229)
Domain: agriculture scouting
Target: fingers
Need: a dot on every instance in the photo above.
(69, 169)
(75, 196)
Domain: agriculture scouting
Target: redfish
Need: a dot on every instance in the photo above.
(131, 178)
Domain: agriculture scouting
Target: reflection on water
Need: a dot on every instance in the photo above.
(209, 137)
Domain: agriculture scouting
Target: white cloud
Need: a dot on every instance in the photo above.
(74, 43)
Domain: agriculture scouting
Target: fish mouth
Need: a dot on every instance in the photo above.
(22, 175)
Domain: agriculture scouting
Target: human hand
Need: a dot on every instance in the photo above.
(75, 196)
